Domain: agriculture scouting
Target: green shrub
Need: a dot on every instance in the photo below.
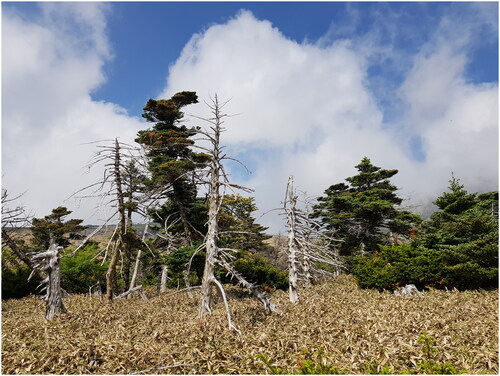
(256, 269)
(176, 262)
(398, 265)
(15, 283)
(81, 271)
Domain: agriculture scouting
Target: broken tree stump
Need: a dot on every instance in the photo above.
(48, 261)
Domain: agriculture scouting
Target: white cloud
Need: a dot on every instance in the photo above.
(309, 112)
(305, 109)
(49, 68)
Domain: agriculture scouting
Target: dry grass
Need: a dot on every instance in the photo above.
(352, 326)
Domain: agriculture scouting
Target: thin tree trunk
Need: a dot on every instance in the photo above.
(214, 198)
(307, 271)
(111, 273)
(292, 251)
(136, 269)
(163, 279)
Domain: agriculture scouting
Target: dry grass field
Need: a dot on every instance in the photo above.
(336, 326)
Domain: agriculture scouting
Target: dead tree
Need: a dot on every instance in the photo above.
(111, 187)
(291, 214)
(171, 240)
(216, 179)
(308, 245)
(48, 261)
(120, 241)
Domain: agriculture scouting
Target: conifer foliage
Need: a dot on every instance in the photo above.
(365, 212)
(171, 161)
(465, 230)
(54, 226)
(457, 247)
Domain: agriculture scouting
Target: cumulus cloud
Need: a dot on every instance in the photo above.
(307, 109)
(310, 109)
(51, 64)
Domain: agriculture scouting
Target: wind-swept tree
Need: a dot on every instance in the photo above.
(53, 227)
(366, 211)
(171, 160)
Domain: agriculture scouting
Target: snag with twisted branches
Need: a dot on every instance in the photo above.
(308, 245)
(216, 179)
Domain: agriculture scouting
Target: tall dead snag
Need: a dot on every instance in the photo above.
(308, 246)
(49, 262)
(119, 246)
(215, 173)
(112, 186)
(291, 214)
(216, 178)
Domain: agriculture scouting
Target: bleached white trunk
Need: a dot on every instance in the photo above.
(292, 250)
(210, 247)
(307, 271)
(136, 270)
(163, 279)
(53, 296)
(211, 250)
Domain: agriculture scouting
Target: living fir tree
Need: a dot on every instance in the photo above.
(54, 226)
(237, 225)
(364, 213)
(465, 231)
(171, 160)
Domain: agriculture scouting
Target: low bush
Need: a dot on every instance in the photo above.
(15, 284)
(176, 262)
(82, 270)
(255, 268)
(398, 265)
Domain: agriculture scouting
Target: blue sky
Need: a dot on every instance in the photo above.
(317, 86)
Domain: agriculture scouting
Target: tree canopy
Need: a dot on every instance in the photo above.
(171, 161)
(457, 247)
(54, 226)
(363, 213)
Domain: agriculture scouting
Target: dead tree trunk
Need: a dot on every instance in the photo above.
(119, 245)
(307, 245)
(291, 199)
(217, 178)
(53, 297)
(306, 266)
(214, 199)
(163, 279)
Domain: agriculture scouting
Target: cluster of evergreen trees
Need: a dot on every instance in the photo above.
(382, 245)
(457, 247)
